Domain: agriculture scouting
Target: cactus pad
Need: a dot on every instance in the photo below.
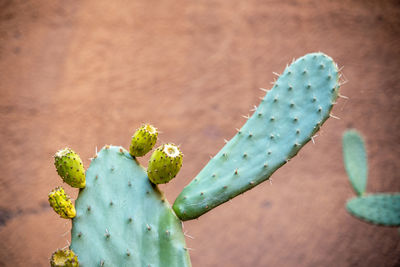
(143, 140)
(164, 164)
(69, 166)
(287, 118)
(124, 220)
(64, 258)
(61, 203)
(355, 160)
(381, 209)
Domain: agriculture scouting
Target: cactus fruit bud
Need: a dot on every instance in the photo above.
(64, 258)
(61, 203)
(164, 164)
(143, 140)
(69, 166)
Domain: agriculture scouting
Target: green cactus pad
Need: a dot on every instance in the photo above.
(124, 220)
(61, 203)
(381, 209)
(69, 166)
(143, 140)
(355, 160)
(64, 258)
(164, 164)
(290, 114)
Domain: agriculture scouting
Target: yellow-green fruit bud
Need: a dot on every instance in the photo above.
(61, 203)
(164, 164)
(69, 166)
(64, 258)
(143, 140)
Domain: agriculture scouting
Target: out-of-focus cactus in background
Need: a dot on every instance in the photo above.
(381, 209)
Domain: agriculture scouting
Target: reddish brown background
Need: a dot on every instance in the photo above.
(87, 73)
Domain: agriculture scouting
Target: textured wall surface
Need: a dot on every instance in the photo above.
(87, 73)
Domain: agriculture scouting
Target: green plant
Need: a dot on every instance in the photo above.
(123, 219)
(380, 209)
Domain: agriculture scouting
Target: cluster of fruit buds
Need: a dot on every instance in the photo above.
(166, 160)
(163, 166)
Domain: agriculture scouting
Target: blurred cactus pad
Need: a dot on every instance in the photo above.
(122, 217)
(381, 209)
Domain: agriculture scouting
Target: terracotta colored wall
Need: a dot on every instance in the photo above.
(87, 73)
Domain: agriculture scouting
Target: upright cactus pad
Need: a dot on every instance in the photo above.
(69, 166)
(124, 220)
(381, 209)
(287, 118)
(355, 160)
(164, 164)
(143, 140)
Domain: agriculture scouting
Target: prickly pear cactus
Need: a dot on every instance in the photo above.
(287, 118)
(123, 219)
(381, 209)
